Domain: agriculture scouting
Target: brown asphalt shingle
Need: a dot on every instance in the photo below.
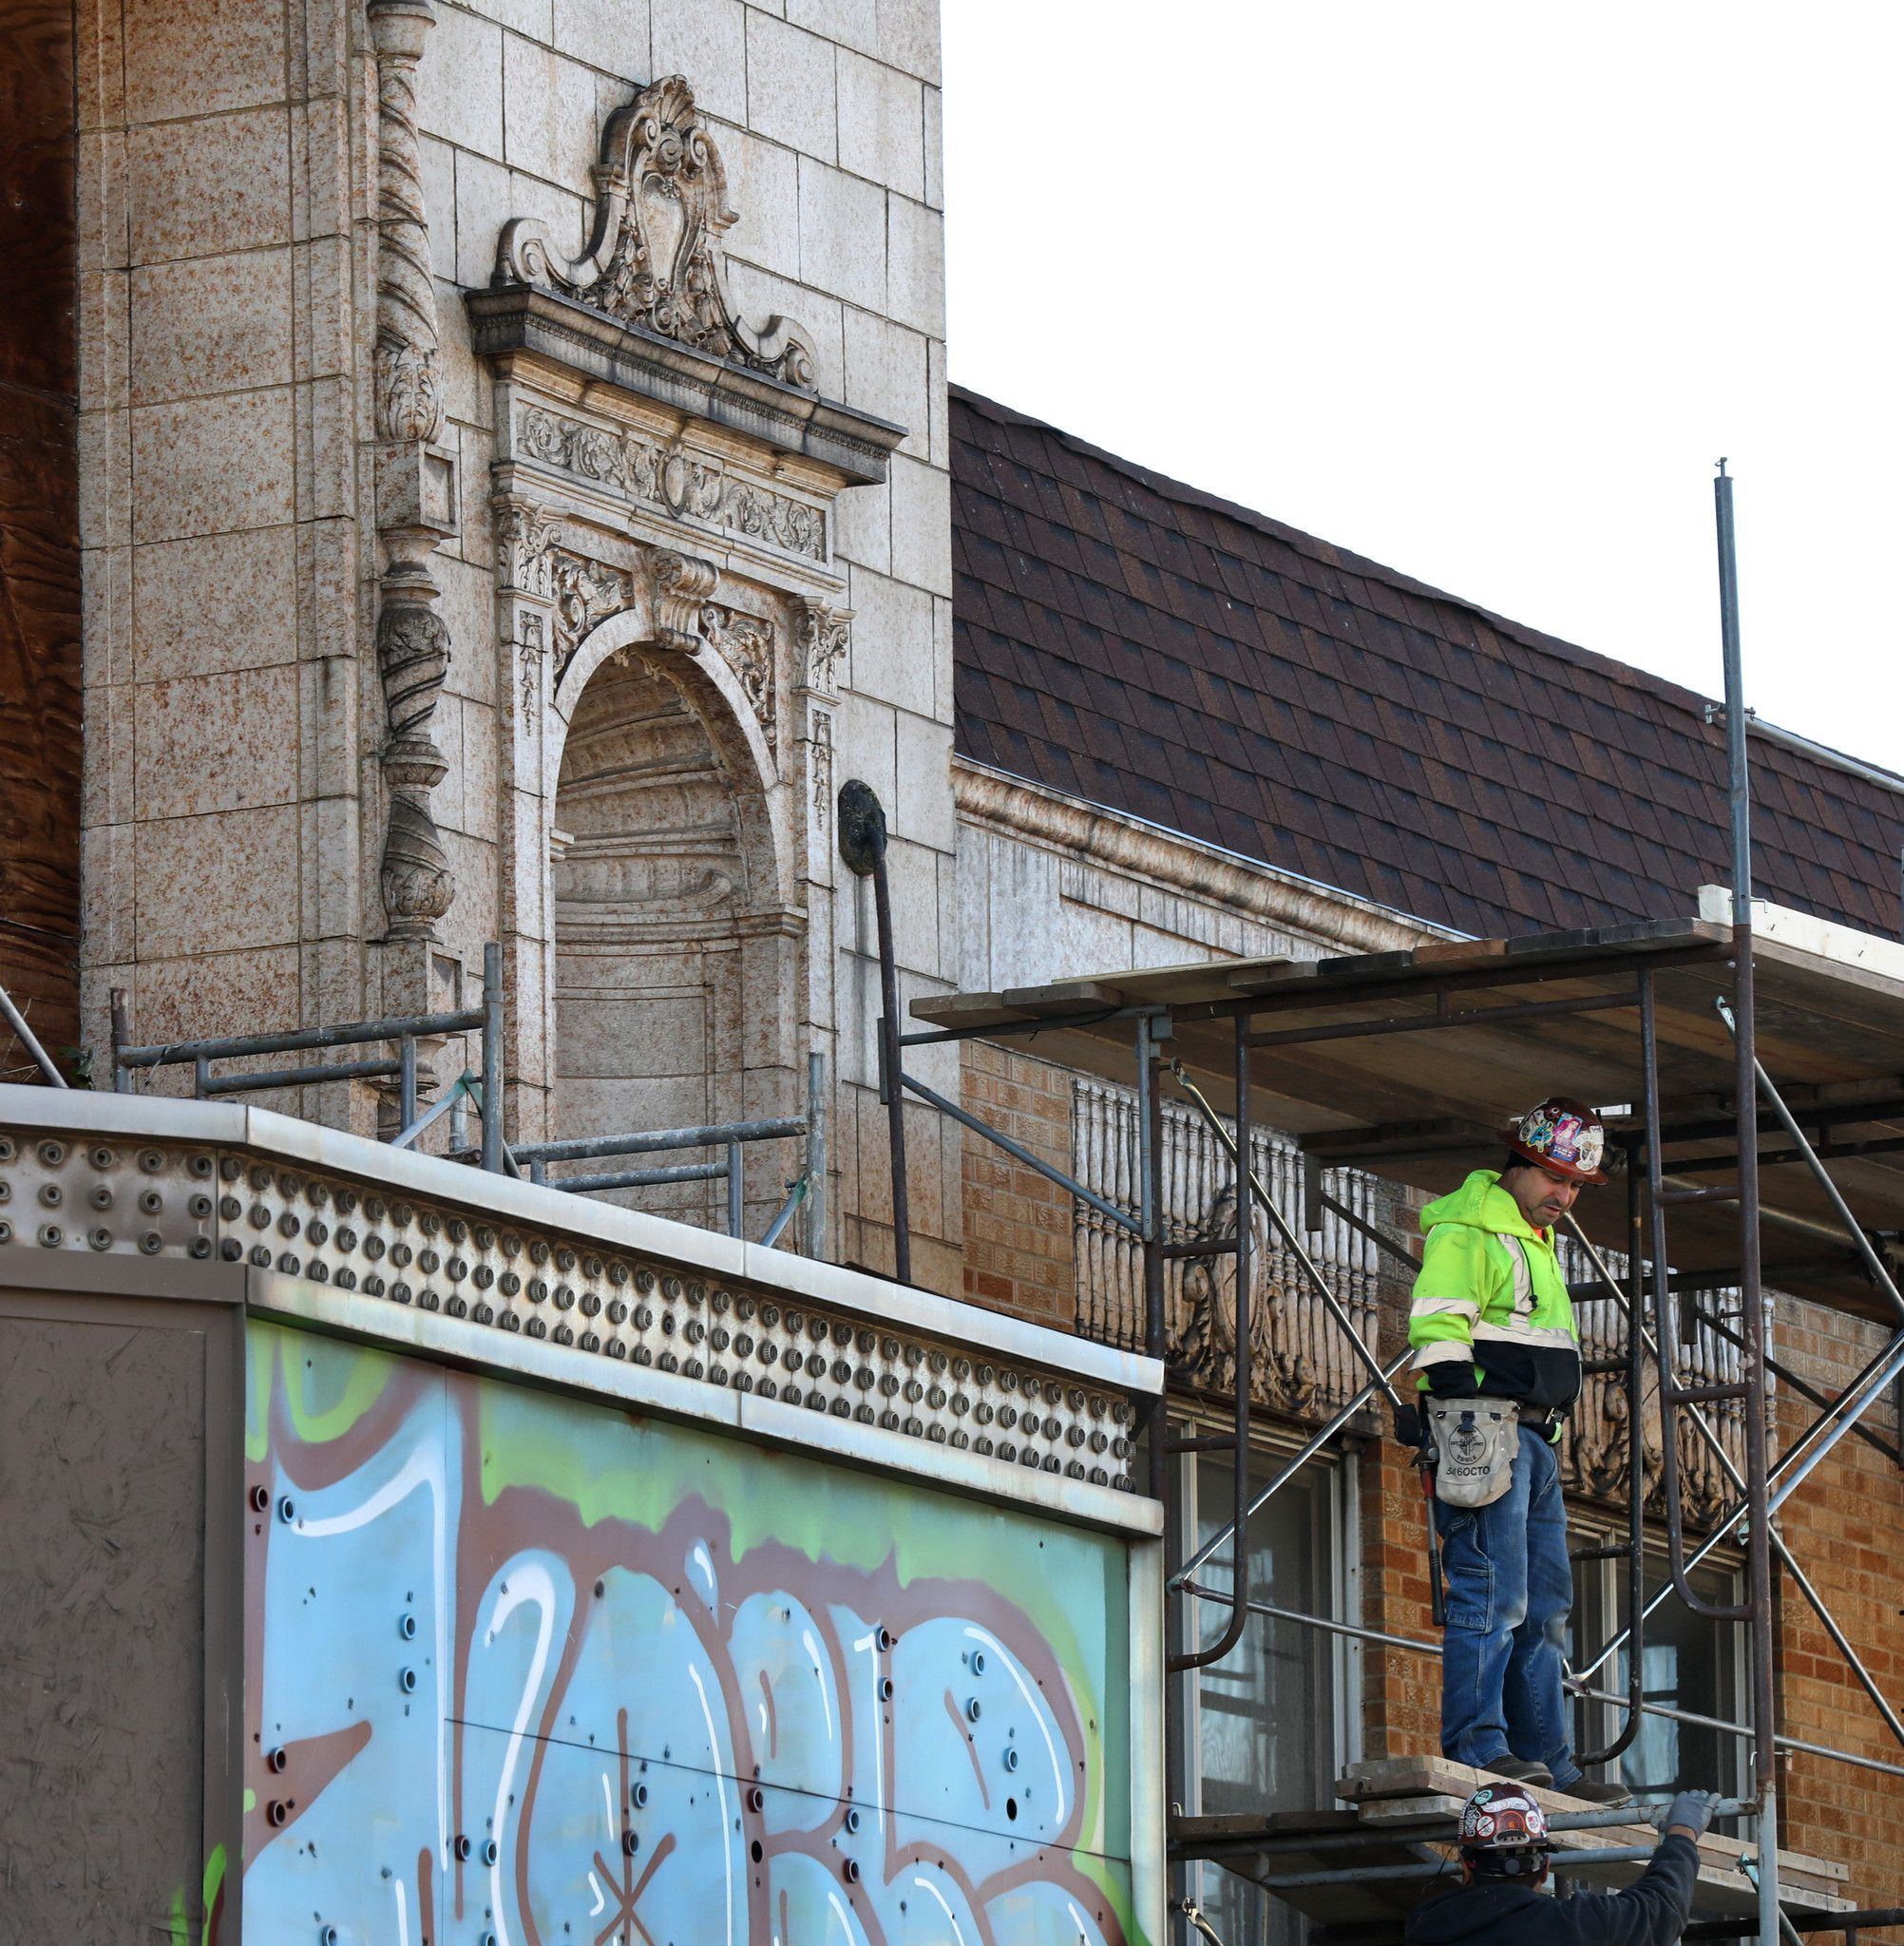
(1125, 638)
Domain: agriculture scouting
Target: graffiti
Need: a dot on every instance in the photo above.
(545, 1674)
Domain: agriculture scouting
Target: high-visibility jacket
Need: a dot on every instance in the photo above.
(1491, 1312)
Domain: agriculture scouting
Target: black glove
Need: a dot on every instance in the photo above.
(1692, 1808)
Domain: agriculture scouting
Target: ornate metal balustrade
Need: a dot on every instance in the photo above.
(1594, 1459)
(1300, 1358)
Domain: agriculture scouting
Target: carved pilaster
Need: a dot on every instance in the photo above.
(820, 640)
(416, 488)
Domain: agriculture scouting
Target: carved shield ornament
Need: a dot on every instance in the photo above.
(651, 262)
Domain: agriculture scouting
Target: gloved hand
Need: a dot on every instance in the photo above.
(1692, 1808)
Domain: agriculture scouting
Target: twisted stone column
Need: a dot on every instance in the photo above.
(415, 488)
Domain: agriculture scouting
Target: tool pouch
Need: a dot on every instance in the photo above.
(1475, 1441)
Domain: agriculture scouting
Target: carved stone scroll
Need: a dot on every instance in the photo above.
(682, 584)
(651, 260)
(745, 643)
(414, 492)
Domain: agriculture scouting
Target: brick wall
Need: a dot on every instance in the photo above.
(1018, 1247)
(1845, 1527)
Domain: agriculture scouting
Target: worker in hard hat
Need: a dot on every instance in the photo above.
(1498, 1363)
(1506, 1855)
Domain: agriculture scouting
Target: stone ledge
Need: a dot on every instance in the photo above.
(522, 318)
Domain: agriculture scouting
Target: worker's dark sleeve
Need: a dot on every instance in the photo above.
(1652, 1913)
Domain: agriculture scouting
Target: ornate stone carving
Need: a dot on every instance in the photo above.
(407, 360)
(531, 656)
(585, 594)
(415, 489)
(525, 541)
(745, 643)
(588, 452)
(685, 486)
(682, 582)
(823, 767)
(412, 659)
(821, 638)
(651, 260)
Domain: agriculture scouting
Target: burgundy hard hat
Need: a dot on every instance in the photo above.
(1563, 1137)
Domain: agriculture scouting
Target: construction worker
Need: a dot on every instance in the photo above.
(1498, 1365)
(1505, 1854)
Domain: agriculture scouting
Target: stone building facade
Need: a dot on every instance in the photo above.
(511, 477)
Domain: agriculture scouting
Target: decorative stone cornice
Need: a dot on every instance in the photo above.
(651, 261)
(1117, 843)
(546, 324)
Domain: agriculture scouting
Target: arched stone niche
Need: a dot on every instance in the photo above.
(677, 934)
(671, 639)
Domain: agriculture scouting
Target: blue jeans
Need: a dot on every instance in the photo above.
(1510, 1588)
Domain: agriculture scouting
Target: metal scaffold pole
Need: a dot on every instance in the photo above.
(1757, 1325)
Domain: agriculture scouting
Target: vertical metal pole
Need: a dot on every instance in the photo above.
(201, 1075)
(405, 1082)
(1151, 1214)
(889, 1067)
(122, 1037)
(492, 1057)
(816, 1156)
(735, 1194)
(1758, 1564)
(1636, 1474)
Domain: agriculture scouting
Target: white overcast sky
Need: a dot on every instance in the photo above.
(1479, 291)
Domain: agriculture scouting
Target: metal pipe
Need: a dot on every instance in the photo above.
(1425, 1023)
(28, 1039)
(1292, 1242)
(350, 1034)
(966, 1118)
(210, 1086)
(1636, 1464)
(1376, 1235)
(1315, 1443)
(891, 1082)
(441, 1106)
(122, 1033)
(1759, 1561)
(639, 1178)
(1246, 1224)
(1343, 1874)
(735, 1190)
(1151, 1228)
(492, 1057)
(1818, 753)
(796, 1194)
(1849, 1923)
(1844, 1416)
(713, 1136)
(1803, 1387)
(1763, 1081)
(816, 1156)
(406, 1083)
(1668, 1395)
(1744, 1731)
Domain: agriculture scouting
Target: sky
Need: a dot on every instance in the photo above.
(1479, 290)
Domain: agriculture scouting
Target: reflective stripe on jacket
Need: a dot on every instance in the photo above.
(1490, 1311)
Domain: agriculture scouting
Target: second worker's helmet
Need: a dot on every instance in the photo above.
(1504, 1834)
(1563, 1137)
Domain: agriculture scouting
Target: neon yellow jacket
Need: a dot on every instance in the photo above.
(1490, 1311)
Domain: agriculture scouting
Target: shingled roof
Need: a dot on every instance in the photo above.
(1130, 641)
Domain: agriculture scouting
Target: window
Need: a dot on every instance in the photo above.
(1689, 1663)
(1270, 1725)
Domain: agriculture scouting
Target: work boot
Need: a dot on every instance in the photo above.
(1520, 1770)
(1611, 1796)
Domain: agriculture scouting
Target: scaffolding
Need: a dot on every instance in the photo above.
(406, 1071)
(1409, 1064)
